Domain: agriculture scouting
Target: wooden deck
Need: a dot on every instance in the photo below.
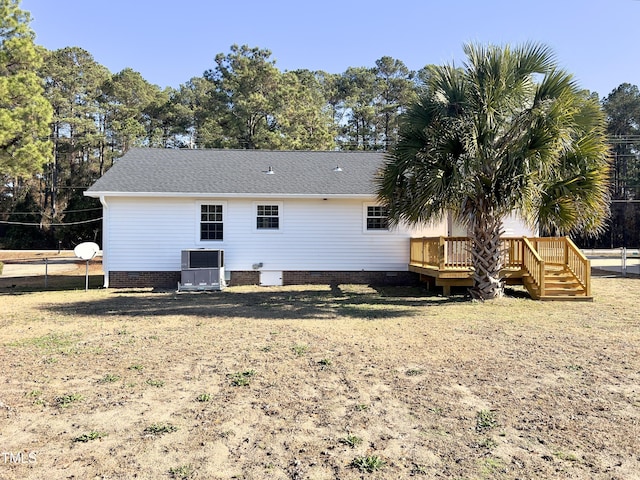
(551, 268)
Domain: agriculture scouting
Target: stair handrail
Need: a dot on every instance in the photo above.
(533, 264)
(579, 265)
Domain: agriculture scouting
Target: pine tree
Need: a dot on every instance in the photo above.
(25, 113)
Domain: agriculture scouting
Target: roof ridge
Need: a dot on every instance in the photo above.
(160, 149)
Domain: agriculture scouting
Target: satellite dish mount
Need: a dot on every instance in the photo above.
(86, 251)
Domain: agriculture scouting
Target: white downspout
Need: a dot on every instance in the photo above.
(105, 240)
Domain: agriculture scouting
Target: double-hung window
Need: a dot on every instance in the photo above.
(268, 217)
(211, 224)
(377, 218)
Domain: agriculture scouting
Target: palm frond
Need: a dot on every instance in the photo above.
(509, 131)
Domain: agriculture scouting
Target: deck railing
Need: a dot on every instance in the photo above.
(551, 249)
(512, 252)
(528, 254)
(534, 264)
(425, 251)
(519, 255)
(457, 252)
(454, 252)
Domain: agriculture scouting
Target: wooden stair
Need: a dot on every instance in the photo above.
(560, 284)
(551, 268)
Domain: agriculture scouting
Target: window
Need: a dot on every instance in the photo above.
(268, 217)
(211, 227)
(377, 218)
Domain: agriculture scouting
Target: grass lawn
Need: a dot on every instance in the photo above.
(314, 382)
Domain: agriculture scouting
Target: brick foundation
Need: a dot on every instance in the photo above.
(252, 277)
(359, 277)
(144, 279)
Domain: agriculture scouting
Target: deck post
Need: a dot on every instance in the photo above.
(441, 253)
(521, 253)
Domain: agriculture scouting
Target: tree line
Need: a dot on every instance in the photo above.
(71, 117)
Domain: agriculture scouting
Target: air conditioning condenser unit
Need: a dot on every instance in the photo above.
(201, 269)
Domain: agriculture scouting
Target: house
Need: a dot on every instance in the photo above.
(281, 217)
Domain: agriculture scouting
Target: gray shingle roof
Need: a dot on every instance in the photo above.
(237, 172)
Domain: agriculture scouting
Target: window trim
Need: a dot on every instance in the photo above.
(365, 217)
(254, 217)
(199, 206)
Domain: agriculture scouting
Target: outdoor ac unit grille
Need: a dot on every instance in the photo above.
(202, 270)
(194, 259)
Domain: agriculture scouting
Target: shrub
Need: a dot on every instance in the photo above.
(160, 429)
(370, 463)
(93, 435)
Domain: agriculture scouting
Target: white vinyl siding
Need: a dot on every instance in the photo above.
(320, 235)
(142, 233)
(512, 225)
(147, 234)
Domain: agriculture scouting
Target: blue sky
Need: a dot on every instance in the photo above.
(170, 41)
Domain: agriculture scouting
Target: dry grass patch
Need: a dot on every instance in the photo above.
(311, 382)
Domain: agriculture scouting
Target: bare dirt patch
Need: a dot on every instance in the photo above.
(314, 382)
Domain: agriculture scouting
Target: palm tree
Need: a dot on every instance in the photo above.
(508, 132)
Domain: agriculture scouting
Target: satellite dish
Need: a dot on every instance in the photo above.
(86, 250)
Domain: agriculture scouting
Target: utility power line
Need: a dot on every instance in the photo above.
(64, 211)
(50, 224)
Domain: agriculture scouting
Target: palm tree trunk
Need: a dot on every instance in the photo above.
(486, 252)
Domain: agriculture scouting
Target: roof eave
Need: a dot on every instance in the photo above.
(98, 194)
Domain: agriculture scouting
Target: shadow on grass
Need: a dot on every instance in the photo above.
(602, 272)
(320, 303)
